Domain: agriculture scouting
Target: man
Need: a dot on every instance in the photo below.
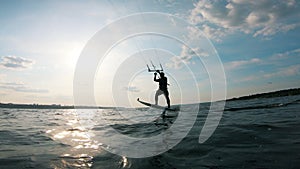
(163, 87)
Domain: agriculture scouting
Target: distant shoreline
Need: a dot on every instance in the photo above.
(42, 106)
(279, 93)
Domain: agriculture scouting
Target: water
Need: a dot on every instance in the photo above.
(257, 133)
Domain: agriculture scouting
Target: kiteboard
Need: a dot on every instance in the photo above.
(156, 106)
(165, 119)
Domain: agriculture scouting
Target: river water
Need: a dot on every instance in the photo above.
(256, 133)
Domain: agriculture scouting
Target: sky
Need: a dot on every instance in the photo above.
(257, 43)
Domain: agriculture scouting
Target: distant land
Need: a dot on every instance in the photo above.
(52, 106)
(280, 93)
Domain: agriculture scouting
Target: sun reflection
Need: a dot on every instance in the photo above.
(83, 147)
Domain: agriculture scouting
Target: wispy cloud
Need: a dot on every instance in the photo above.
(293, 70)
(132, 89)
(240, 63)
(15, 62)
(278, 59)
(3, 94)
(21, 87)
(2, 76)
(259, 18)
(286, 55)
(283, 72)
(248, 78)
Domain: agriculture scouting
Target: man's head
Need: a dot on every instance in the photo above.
(162, 74)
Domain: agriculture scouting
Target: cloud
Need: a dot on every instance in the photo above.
(185, 57)
(213, 33)
(259, 18)
(15, 62)
(239, 63)
(283, 72)
(293, 70)
(248, 78)
(286, 55)
(132, 89)
(3, 94)
(21, 87)
(279, 59)
(2, 76)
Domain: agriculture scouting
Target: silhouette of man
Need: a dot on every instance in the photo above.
(163, 87)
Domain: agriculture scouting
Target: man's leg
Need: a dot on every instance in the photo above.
(167, 98)
(168, 101)
(156, 96)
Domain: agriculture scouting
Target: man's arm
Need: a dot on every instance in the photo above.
(156, 80)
